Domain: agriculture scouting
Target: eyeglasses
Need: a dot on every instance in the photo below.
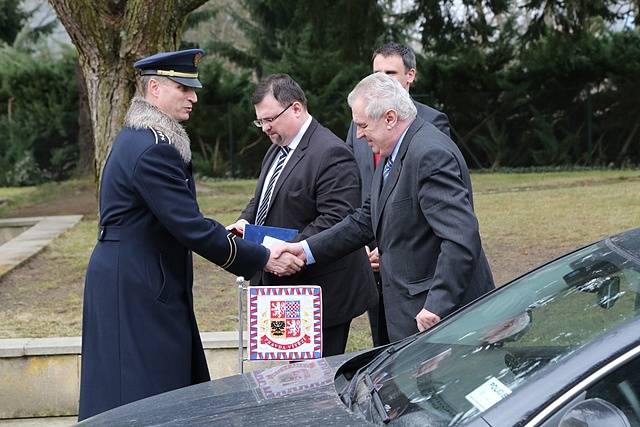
(260, 122)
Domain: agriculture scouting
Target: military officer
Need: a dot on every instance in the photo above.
(139, 331)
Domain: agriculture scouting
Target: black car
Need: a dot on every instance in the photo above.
(558, 346)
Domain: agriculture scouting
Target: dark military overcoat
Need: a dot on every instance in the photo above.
(140, 335)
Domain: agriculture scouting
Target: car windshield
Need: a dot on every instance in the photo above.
(477, 358)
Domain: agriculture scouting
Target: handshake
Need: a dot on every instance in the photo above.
(284, 260)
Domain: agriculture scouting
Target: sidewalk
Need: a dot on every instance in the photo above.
(39, 422)
(41, 232)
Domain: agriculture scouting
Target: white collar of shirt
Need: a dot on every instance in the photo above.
(296, 140)
(397, 148)
(292, 145)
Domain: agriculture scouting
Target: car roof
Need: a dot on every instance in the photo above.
(629, 241)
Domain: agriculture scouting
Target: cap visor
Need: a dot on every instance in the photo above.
(187, 82)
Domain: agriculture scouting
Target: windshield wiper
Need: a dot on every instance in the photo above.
(348, 392)
(375, 398)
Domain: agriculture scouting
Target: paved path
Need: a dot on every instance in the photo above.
(22, 247)
(39, 422)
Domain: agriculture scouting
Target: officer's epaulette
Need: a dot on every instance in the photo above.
(161, 137)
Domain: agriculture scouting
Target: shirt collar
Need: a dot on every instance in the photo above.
(397, 147)
(296, 140)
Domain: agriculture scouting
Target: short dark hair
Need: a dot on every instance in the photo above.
(392, 48)
(144, 83)
(283, 88)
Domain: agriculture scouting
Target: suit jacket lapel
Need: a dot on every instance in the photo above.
(376, 184)
(297, 155)
(394, 175)
(388, 185)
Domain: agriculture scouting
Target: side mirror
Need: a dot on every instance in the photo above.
(594, 413)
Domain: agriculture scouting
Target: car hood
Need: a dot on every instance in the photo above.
(295, 393)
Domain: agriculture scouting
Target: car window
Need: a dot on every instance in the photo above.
(480, 356)
(622, 389)
(617, 396)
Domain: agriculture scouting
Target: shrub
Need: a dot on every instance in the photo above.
(39, 115)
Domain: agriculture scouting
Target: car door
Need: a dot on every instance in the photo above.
(609, 397)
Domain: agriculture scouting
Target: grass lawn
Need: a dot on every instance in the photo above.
(500, 182)
(525, 220)
(12, 196)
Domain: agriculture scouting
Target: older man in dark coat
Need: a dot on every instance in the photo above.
(420, 212)
(139, 332)
(399, 62)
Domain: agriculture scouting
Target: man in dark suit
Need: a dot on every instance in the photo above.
(309, 181)
(399, 62)
(420, 212)
(139, 331)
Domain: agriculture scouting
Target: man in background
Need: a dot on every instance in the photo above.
(399, 62)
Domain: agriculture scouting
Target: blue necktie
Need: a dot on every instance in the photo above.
(264, 205)
(387, 168)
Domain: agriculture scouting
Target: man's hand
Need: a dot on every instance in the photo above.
(295, 249)
(426, 319)
(237, 227)
(283, 263)
(374, 259)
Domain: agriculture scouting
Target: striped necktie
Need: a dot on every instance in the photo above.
(264, 204)
(387, 168)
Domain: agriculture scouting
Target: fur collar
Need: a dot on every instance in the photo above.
(142, 115)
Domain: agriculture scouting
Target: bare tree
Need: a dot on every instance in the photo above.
(109, 36)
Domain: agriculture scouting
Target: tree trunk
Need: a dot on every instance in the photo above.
(86, 159)
(110, 35)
